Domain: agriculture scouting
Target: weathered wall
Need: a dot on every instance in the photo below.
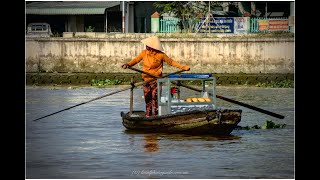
(210, 55)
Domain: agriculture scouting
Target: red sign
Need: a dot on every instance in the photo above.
(278, 24)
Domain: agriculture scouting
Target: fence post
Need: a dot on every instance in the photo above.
(155, 20)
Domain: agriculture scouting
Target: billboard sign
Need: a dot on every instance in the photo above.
(241, 25)
(217, 25)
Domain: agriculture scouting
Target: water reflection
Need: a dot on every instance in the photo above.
(185, 137)
(151, 143)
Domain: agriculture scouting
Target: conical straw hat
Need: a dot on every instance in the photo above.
(153, 42)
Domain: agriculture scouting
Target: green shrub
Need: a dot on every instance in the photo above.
(106, 82)
(89, 29)
(277, 84)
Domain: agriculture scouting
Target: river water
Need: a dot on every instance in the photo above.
(90, 142)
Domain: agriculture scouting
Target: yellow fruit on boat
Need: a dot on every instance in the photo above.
(194, 99)
(207, 99)
(201, 100)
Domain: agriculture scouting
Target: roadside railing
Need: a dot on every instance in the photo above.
(169, 25)
(256, 25)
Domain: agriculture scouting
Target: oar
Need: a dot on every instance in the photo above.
(124, 89)
(221, 97)
(237, 102)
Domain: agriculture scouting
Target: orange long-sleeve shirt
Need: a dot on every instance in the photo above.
(153, 63)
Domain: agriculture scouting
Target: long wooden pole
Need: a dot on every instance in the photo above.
(131, 96)
(124, 89)
(220, 97)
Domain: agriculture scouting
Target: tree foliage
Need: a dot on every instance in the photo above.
(189, 12)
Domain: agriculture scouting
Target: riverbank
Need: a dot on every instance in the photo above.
(107, 79)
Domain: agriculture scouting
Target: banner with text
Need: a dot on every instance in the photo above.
(273, 24)
(278, 24)
(216, 25)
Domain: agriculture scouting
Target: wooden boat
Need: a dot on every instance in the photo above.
(179, 113)
(215, 121)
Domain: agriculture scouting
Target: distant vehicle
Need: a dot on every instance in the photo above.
(38, 30)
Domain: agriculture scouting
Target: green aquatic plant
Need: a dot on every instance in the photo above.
(266, 125)
(272, 125)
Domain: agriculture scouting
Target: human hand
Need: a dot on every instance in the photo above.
(124, 66)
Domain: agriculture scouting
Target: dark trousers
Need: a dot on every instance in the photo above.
(151, 98)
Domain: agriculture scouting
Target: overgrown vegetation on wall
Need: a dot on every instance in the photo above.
(277, 84)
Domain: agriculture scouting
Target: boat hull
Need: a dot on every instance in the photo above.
(216, 121)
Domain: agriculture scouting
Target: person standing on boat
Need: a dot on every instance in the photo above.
(153, 58)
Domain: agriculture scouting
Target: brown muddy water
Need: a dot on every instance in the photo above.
(90, 142)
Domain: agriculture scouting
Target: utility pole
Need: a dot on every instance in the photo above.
(106, 21)
(266, 14)
(209, 20)
(127, 15)
(123, 18)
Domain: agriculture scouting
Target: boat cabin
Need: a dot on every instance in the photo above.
(174, 94)
(184, 108)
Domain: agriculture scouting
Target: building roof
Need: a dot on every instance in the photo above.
(69, 7)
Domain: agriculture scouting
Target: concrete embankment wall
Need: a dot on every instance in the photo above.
(250, 55)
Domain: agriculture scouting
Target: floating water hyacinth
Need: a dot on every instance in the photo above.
(272, 125)
(266, 125)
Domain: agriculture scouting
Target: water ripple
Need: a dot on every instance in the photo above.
(89, 141)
